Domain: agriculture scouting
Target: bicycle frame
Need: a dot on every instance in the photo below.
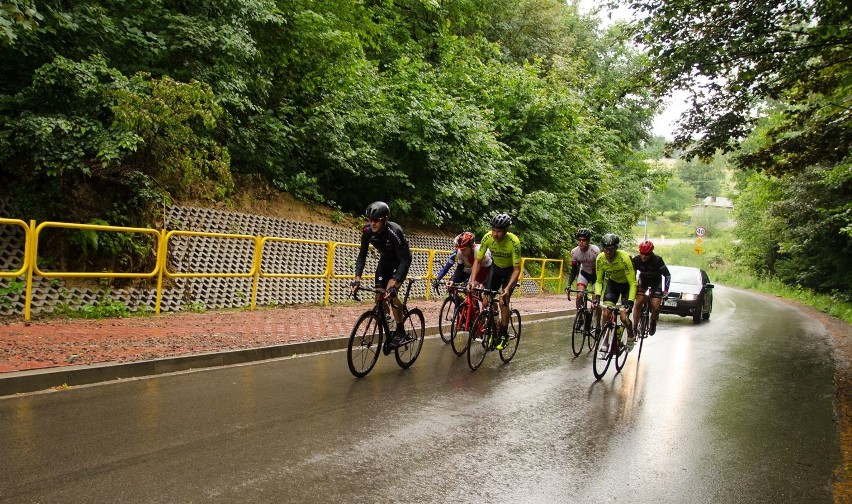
(616, 347)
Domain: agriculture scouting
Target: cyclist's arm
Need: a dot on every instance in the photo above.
(447, 266)
(575, 268)
(403, 252)
(601, 273)
(631, 279)
(667, 276)
(362, 254)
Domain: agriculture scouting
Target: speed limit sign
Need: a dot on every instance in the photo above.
(700, 231)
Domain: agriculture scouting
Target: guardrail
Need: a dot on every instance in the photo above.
(254, 269)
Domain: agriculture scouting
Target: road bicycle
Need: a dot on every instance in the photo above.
(643, 325)
(581, 331)
(484, 337)
(612, 343)
(463, 319)
(371, 331)
(448, 308)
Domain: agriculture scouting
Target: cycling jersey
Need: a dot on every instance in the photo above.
(465, 263)
(620, 270)
(583, 262)
(651, 272)
(391, 244)
(504, 254)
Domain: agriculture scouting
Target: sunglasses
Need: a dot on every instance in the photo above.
(374, 220)
(583, 239)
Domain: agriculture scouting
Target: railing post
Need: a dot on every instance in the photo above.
(257, 260)
(331, 247)
(29, 262)
(162, 254)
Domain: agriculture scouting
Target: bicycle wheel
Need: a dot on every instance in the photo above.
(462, 321)
(621, 353)
(590, 335)
(479, 341)
(511, 346)
(365, 343)
(643, 332)
(578, 333)
(601, 360)
(445, 318)
(415, 329)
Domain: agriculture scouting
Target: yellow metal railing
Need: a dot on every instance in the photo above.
(253, 261)
(541, 278)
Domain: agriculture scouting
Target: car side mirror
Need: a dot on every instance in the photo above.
(708, 285)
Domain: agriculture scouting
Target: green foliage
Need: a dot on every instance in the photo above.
(196, 307)
(14, 287)
(106, 307)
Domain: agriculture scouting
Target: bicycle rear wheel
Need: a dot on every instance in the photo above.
(578, 333)
(479, 341)
(445, 318)
(365, 343)
(462, 322)
(601, 359)
(511, 346)
(415, 329)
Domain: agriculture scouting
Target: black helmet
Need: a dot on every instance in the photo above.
(610, 240)
(583, 233)
(501, 221)
(377, 210)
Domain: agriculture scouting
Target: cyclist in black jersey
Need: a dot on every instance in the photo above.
(395, 259)
(652, 271)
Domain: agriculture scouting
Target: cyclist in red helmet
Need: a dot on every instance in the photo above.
(464, 256)
(652, 271)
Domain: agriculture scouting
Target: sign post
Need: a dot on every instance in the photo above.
(699, 232)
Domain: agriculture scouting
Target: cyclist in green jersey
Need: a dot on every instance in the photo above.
(505, 250)
(615, 271)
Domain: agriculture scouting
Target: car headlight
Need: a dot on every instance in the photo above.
(690, 297)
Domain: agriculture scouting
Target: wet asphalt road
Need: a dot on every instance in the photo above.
(736, 410)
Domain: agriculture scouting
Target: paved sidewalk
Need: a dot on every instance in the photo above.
(45, 354)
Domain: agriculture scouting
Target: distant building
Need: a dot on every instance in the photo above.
(715, 209)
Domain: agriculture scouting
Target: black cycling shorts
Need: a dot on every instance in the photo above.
(655, 286)
(385, 271)
(615, 290)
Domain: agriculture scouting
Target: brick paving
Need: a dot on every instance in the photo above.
(55, 343)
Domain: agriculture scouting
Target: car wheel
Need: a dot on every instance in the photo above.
(709, 309)
(696, 315)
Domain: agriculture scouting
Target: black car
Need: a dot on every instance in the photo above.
(690, 293)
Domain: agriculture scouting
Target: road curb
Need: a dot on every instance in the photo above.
(20, 382)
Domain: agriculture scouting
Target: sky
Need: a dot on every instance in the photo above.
(664, 123)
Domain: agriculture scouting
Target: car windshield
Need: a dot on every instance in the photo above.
(686, 276)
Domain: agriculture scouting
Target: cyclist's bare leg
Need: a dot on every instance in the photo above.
(580, 287)
(641, 299)
(656, 301)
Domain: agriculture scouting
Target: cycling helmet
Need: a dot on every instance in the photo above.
(584, 233)
(464, 239)
(610, 240)
(501, 221)
(377, 210)
(646, 247)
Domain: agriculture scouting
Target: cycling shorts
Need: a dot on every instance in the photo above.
(385, 270)
(586, 278)
(656, 287)
(615, 291)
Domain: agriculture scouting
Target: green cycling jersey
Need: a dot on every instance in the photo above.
(620, 270)
(505, 253)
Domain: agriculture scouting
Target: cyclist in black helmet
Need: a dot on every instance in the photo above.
(616, 268)
(505, 250)
(395, 258)
(583, 258)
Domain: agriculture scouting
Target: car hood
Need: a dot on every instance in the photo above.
(684, 288)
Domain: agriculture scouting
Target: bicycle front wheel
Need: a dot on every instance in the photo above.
(365, 343)
(445, 319)
(415, 329)
(578, 333)
(643, 332)
(479, 341)
(603, 354)
(511, 346)
(462, 322)
(621, 353)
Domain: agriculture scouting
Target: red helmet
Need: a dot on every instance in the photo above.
(464, 239)
(646, 247)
